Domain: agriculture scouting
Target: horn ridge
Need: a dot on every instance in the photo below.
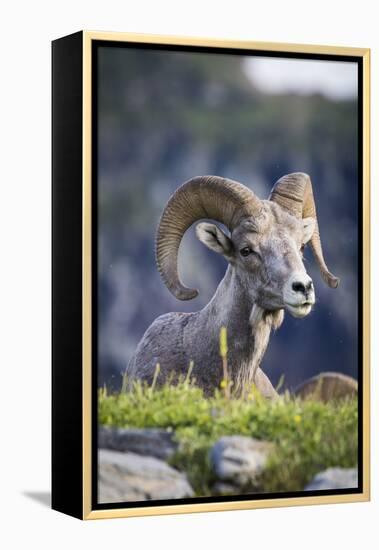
(294, 193)
(210, 197)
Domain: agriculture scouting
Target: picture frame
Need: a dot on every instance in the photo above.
(75, 315)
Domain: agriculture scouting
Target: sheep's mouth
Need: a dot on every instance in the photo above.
(300, 310)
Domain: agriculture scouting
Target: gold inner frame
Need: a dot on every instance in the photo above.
(88, 513)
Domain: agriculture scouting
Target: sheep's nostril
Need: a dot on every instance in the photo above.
(298, 287)
(309, 286)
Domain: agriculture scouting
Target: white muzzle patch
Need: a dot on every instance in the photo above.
(298, 294)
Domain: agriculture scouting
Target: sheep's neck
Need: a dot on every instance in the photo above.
(248, 327)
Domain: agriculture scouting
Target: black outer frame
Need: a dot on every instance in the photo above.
(67, 174)
(67, 160)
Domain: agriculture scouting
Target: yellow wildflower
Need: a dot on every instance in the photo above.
(223, 342)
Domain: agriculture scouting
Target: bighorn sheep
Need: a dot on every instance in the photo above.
(265, 276)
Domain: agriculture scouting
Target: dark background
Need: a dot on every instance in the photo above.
(164, 117)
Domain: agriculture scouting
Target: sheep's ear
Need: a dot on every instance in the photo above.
(215, 239)
(309, 225)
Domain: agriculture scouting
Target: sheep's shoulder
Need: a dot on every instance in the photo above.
(162, 343)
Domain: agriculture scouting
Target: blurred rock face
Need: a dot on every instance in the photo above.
(132, 477)
(165, 117)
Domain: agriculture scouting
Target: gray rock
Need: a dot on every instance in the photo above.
(238, 459)
(131, 477)
(328, 386)
(149, 442)
(334, 478)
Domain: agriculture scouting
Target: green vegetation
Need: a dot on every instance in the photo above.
(309, 436)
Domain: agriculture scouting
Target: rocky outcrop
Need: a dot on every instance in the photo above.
(129, 477)
(237, 461)
(147, 442)
(334, 478)
(133, 467)
(328, 386)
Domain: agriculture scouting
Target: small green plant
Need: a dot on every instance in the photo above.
(226, 382)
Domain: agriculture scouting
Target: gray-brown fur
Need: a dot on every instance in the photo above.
(250, 300)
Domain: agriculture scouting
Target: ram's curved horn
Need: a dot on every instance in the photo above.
(294, 193)
(212, 197)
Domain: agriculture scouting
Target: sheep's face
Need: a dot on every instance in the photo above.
(266, 254)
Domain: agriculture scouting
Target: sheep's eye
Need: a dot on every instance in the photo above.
(246, 251)
(302, 248)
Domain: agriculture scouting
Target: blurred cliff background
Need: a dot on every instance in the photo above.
(164, 117)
